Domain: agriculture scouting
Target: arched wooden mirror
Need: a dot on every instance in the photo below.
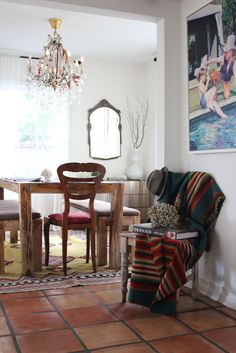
(104, 131)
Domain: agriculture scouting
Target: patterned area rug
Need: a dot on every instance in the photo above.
(27, 284)
(76, 251)
(51, 277)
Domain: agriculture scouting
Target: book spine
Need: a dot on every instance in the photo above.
(170, 235)
(180, 235)
(147, 231)
(166, 234)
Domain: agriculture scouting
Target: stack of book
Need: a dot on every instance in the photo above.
(171, 233)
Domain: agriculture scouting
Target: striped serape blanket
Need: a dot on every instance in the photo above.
(160, 264)
(199, 202)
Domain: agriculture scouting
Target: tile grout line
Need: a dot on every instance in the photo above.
(67, 324)
(12, 333)
(200, 333)
(226, 314)
(127, 344)
(209, 306)
(106, 306)
(109, 309)
(140, 336)
(213, 342)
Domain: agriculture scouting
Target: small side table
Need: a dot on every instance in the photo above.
(127, 239)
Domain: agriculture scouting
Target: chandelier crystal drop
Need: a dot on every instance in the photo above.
(55, 70)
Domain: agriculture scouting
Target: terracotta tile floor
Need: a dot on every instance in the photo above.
(92, 319)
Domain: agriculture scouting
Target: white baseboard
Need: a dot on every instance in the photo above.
(218, 293)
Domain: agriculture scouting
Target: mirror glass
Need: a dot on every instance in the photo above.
(104, 128)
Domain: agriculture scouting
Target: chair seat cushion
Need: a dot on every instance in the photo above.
(73, 217)
(9, 211)
(102, 208)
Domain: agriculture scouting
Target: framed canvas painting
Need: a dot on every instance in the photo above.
(212, 77)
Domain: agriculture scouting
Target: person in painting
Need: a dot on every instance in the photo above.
(227, 65)
(208, 95)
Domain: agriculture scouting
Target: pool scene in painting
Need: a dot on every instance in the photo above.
(212, 77)
(209, 132)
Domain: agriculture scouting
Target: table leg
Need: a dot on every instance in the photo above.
(26, 229)
(37, 244)
(14, 236)
(124, 266)
(116, 225)
(1, 193)
(2, 234)
(2, 237)
(101, 241)
(195, 281)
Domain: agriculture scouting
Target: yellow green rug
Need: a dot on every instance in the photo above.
(52, 276)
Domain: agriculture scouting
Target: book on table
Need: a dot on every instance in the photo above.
(26, 179)
(171, 233)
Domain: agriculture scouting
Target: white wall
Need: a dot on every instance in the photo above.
(113, 81)
(218, 269)
(154, 143)
(167, 14)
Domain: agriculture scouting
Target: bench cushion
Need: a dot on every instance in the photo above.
(9, 211)
(102, 208)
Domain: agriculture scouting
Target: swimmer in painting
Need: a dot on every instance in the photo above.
(208, 95)
(227, 65)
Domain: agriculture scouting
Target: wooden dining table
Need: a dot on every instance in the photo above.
(25, 189)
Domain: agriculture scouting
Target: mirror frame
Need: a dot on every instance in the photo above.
(103, 103)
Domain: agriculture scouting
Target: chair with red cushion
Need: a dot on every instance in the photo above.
(76, 186)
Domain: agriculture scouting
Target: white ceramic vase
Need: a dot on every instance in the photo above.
(134, 171)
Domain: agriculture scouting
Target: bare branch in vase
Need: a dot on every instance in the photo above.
(137, 121)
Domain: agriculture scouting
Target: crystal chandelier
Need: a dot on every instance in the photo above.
(55, 69)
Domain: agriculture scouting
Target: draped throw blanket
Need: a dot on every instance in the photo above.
(199, 202)
(160, 264)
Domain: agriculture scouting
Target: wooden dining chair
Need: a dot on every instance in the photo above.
(79, 182)
(104, 221)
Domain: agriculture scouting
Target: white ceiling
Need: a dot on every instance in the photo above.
(24, 30)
